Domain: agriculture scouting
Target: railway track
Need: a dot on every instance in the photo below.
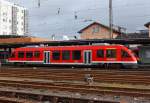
(132, 77)
(82, 88)
(15, 100)
(111, 82)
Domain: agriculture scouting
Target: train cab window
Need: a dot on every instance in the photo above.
(20, 54)
(111, 53)
(29, 54)
(124, 54)
(100, 53)
(36, 54)
(56, 55)
(65, 55)
(76, 55)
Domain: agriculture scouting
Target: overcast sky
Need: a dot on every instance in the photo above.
(44, 20)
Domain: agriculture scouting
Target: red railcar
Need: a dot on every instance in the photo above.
(74, 55)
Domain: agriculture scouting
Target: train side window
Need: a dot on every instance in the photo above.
(56, 55)
(76, 55)
(36, 54)
(100, 53)
(124, 54)
(20, 54)
(29, 54)
(65, 55)
(111, 53)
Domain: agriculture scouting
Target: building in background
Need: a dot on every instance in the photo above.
(148, 26)
(13, 19)
(97, 31)
(141, 34)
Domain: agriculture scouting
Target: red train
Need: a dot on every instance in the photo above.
(74, 55)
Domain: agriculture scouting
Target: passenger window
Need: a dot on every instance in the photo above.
(20, 54)
(76, 55)
(56, 55)
(29, 54)
(124, 54)
(100, 53)
(111, 53)
(36, 54)
(65, 55)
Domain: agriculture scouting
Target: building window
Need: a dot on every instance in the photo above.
(29, 54)
(4, 14)
(20, 54)
(111, 53)
(36, 54)
(65, 55)
(17, 9)
(100, 53)
(56, 55)
(4, 20)
(22, 11)
(76, 55)
(96, 29)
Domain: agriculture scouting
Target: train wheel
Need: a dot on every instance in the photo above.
(116, 66)
(106, 66)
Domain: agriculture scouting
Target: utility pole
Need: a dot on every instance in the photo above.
(39, 3)
(110, 19)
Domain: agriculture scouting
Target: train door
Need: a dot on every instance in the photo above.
(87, 57)
(46, 57)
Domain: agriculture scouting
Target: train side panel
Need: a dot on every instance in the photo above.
(73, 55)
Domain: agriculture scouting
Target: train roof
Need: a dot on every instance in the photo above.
(68, 47)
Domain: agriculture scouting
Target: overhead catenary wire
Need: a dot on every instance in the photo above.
(79, 13)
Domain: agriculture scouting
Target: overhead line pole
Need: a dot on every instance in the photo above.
(39, 3)
(110, 19)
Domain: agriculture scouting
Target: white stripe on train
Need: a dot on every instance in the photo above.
(131, 62)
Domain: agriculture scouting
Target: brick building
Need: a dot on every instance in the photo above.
(97, 31)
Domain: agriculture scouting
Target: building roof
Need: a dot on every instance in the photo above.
(78, 42)
(116, 31)
(21, 39)
(147, 24)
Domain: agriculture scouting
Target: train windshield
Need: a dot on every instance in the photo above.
(124, 54)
